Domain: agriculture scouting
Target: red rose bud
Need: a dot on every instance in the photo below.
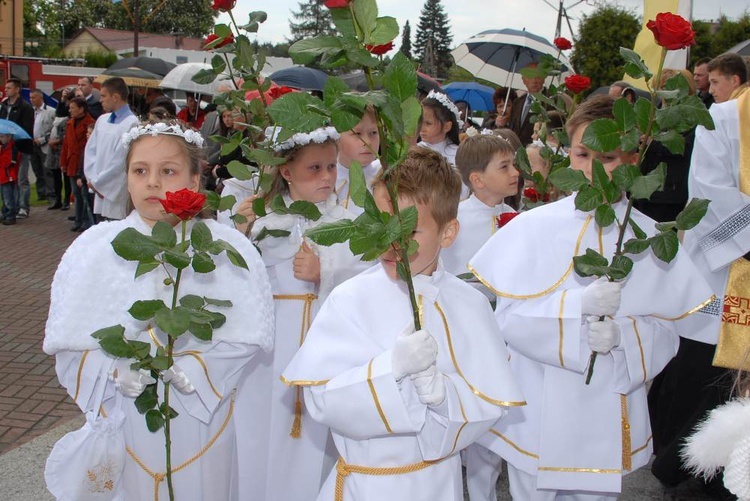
(185, 204)
(671, 31)
(213, 37)
(337, 4)
(504, 218)
(379, 50)
(277, 92)
(577, 83)
(533, 196)
(562, 43)
(223, 5)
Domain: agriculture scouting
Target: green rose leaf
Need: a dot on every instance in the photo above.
(624, 175)
(241, 171)
(168, 411)
(366, 13)
(148, 399)
(202, 331)
(602, 135)
(217, 319)
(568, 179)
(160, 363)
(665, 245)
(202, 263)
(227, 202)
(591, 264)
(179, 260)
(644, 186)
(236, 258)
(259, 207)
(132, 245)
(117, 347)
(116, 331)
(692, 214)
(212, 199)
(204, 76)
(666, 226)
(192, 302)
(265, 233)
(624, 115)
(154, 420)
(164, 235)
(409, 217)
(602, 182)
(201, 236)
(678, 83)
(636, 245)
(411, 111)
(684, 115)
(306, 209)
(639, 233)
(620, 267)
(173, 322)
(635, 67)
(642, 113)
(385, 31)
(145, 267)
(294, 111)
(146, 309)
(604, 215)
(328, 234)
(225, 303)
(588, 199)
(342, 19)
(308, 50)
(631, 140)
(401, 78)
(673, 140)
(141, 350)
(357, 184)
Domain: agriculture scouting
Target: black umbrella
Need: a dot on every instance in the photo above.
(300, 77)
(742, 48)
(151, 64)
(357, 81)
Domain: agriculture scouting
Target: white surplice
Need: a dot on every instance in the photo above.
(295, 466)
(346, 371)
(104, 166)
(723, 235)
(342, 184)
(478, 222)
(573, 436)
(93, 288)
(240, 190)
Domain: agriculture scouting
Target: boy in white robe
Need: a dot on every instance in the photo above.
(572, 440)
(485, 163)
(402, 404)
(360, 144)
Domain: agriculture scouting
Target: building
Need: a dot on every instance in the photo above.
(11, 27)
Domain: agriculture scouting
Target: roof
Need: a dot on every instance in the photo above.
(118, 40)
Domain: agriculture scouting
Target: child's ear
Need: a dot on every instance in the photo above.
(447, 126)
(475, 178)
(285, 172)
(449, 233)
(195, 182)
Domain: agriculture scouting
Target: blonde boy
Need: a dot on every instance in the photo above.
(576, 441)
(485, 163)
(402, 404)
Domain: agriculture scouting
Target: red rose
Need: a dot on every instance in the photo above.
(277, 92)
(562, 43)
(379, 50)
(337, 4)
(213, 37)
(671, 31)
(533, 196)
(223, 5)
(577, 83)
(504, 218)
(184, 204)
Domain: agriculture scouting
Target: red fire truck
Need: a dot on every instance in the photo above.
(47, 75)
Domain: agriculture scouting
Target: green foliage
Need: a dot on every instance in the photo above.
(433, 40)
(405, 48)
(312, 18)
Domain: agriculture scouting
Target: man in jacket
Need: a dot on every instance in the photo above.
(15, 109)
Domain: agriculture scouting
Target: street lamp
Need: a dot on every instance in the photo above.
(31, 46)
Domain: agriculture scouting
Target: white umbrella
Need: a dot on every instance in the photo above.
(499, 55)
(181, 78)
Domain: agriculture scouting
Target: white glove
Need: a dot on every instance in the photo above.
(131, 383)
(177, 378)
(601, 298)
(603, 334)
(430, 386)
(412, 353)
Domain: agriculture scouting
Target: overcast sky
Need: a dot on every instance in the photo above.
(469, 17)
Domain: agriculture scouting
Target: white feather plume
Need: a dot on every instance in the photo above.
(709, 448)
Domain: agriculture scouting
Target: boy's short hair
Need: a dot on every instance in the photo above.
(427, 178)
(117, 85)
(595, 107)
(475, 154)
(729, 64)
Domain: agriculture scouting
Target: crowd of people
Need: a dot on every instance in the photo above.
(319, 386)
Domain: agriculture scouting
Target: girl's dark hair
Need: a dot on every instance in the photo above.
(166, 104)
(500, 93)
(444, 115)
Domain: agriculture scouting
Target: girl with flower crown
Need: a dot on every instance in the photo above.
(302, 275)
(94, 288)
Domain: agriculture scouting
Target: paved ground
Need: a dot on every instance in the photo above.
(35, 412)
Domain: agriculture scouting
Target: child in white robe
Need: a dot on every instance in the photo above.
(485, 163)
(302, 275)
(360, 144)
(93, 288)
(572, 440)
(402, 404)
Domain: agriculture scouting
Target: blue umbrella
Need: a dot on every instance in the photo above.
(12, 128)
(477, 95)
(300, 77)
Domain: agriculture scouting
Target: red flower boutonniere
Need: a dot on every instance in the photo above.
(671, 31)
(504, 219)
(185, 204)
(562, 43)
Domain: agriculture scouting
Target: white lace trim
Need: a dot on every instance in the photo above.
(318, 136)
(189, 135)
(446, 102)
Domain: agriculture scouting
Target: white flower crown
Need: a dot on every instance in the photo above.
(189, 135)
(446, 102)
(473, 131)
(318, 136)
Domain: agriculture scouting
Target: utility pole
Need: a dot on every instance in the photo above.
(136, 27)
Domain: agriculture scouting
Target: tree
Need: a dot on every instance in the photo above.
(432, 46)
(405, 48)
(314, 20)
(596, 53)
